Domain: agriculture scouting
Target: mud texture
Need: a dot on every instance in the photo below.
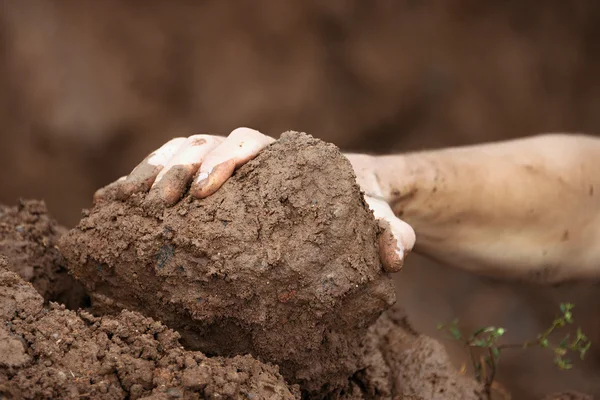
(403, 364)
(58, 353)
(282, 263)
(28, 238)
(47, 351)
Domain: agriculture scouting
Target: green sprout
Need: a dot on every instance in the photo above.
(487, 339)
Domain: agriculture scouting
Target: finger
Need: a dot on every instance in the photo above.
(242, 145)
(142, 176)
(108, 192)
(172, 181)
(397, 239)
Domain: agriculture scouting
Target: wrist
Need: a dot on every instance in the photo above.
(365, 168)
(398, 177)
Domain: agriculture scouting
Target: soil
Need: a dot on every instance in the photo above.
(57, 353)
(28, 238)
(53, 352)
(284, 258)
(403, 364)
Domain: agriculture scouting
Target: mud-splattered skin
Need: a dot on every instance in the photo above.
(282, 262)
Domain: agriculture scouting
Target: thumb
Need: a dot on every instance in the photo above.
(397, 238)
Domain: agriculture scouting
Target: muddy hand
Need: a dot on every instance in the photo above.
(397, 239)
(204, 161)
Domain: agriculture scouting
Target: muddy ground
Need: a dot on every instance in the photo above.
(49, 351)
(88, 89)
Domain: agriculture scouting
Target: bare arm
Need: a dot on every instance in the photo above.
(527, 209)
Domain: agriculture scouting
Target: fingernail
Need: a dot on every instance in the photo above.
(399, 253)
(202, 176)
(201, 181)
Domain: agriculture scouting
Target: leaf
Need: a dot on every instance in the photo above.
(563, 363)
(558, 322)
(580, 335)
(584, 349)
(477, 332)
(563, 343)
(569, 317)
(454, 331)
(496, 352)
(564, 307)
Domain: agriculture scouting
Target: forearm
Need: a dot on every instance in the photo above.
(526, 209)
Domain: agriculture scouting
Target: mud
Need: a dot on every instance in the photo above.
(58, 353)
(283, 258)
(48, 351)
(403, 364)
(28, 238)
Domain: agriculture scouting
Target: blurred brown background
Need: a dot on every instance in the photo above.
(88, 88)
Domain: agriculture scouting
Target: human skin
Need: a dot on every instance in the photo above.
(524, 209)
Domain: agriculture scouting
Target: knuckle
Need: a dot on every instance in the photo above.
(246, 133)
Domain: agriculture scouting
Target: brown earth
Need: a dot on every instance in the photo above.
(54, 352)
(28, 238)
(57, 353)
(284, 258)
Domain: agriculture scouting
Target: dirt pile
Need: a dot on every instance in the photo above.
(403, 364)
(58, 353)
(28, 238)
(283, 258)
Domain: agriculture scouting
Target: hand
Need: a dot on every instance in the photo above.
(398, 237)
(207, 161)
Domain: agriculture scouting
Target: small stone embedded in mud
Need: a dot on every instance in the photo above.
(282, 263)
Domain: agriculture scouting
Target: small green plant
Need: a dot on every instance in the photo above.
(486, 341)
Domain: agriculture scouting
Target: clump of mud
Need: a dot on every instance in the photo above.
(28, 238)
(403, 364)
(57, 353)
(282, 263)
